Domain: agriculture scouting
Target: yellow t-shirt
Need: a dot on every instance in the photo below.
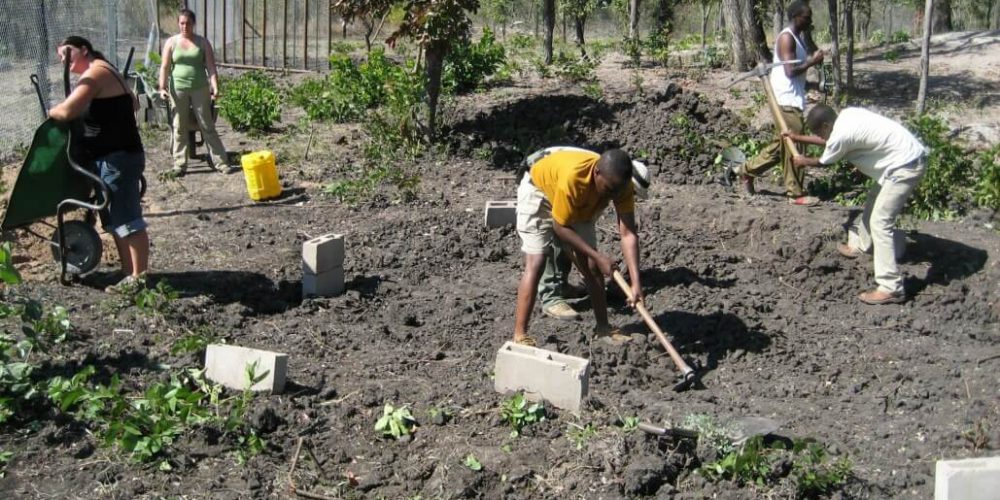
(567, 179)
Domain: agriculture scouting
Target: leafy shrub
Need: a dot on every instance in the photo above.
(395, 422)
(250, 102)
(892, 55)
(877, 38)
(573, 69)
(521, 41)
(657, 45)
(899, 36)
(632, 48)
(469, 64)
(987, 189)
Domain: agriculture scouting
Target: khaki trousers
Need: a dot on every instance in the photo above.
(199, 103)
(875, 230)
(776, 152)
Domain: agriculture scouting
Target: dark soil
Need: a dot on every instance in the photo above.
(754, 293)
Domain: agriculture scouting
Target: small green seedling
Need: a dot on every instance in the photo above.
(630, 424)
(472, 463)
(395, 422)
(580, 435)
(517, 412)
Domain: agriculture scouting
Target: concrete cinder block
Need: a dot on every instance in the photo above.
(542, 375)
(227, 365)
(324, 284)
(501, 213)
(969, 479)
(323, 253)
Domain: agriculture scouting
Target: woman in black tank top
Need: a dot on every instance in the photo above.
(111, 141)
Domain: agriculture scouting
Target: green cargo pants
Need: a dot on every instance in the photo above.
(776, 152)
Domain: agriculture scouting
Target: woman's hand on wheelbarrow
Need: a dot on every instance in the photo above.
(163, 94)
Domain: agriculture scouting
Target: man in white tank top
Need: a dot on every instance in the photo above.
(789, 83)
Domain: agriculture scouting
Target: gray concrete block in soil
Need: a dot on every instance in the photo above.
(558, 379)
(501, 213)
(323, 253)
(227, 365)
(324, 284)
(969, 479)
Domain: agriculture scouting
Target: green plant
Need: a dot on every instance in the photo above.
(469, 64)
(632, 48)
(573, 69)
(877, 37)
(149, 74)
(579, 435)
(519, 413)
(195, 341)
(900, 36)
(472, 463)
(657, 45)
(892, 55)
(593, 90)
(947, 187)
(750, 463)
(630, 424)
(395, 422)
(814, 474)
(250, 102)
(5, 457)
(986, 191)
(157, 300)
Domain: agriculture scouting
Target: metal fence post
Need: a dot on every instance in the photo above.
(111, 12)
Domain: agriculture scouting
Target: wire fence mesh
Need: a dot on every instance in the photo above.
(30, 31)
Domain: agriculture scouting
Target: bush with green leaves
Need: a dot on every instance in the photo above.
(657, 45)
(469, 63)
(986, 192)
(877, 38)
(900, 36)
(250, 102)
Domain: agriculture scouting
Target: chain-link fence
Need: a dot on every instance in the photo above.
(30, 31)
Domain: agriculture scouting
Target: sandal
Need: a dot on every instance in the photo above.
(526, 341)
(613, 335)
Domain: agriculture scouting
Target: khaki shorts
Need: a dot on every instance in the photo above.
(534, 220)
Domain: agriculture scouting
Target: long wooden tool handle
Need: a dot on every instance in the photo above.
(779, 119)
(651, 323)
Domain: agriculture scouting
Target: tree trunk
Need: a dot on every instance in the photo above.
(746, 34)
(835, 52)
(706, 12)
(549, 15)
(579, 22)
(435, 63)
(941, 21)
(925, 56)
(849, 29)
(633, 18)
(778, 18)
(564, 27)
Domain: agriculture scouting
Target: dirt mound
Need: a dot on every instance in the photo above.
(676, 132)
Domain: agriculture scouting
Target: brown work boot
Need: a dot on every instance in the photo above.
(804, 201)
(561, 310)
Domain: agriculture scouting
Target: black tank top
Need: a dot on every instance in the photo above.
(109, 125)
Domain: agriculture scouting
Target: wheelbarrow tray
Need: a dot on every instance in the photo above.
(45, 179)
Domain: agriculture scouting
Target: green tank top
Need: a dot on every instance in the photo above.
(189, 70)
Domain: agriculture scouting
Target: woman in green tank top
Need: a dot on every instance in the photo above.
(188, 78)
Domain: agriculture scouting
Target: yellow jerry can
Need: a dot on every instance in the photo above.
(261, 175)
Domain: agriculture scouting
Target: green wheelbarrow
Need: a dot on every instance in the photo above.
(52, 183)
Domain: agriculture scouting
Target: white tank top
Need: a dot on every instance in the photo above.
(789, 91)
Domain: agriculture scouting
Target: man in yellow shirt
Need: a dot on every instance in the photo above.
(561, 197)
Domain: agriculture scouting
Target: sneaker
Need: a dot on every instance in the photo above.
(877, 297)
(804, 201)
(127, 285)
(849, 251)
(561, 310)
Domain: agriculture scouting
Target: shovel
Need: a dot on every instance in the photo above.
(687, 373)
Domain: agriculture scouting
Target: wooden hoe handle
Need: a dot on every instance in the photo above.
(779, 119)
(651, 323)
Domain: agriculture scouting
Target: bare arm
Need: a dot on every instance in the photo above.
(786, 52)
(807, 139)
(630, 249)
(805, 161)
(74, 105)
(570, 237)
(165, 64)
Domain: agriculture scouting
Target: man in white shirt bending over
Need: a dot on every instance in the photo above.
(789, 83)
(888, 153)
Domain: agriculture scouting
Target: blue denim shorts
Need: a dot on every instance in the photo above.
(121, 171)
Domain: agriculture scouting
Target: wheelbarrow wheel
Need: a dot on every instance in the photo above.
(83, 247)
